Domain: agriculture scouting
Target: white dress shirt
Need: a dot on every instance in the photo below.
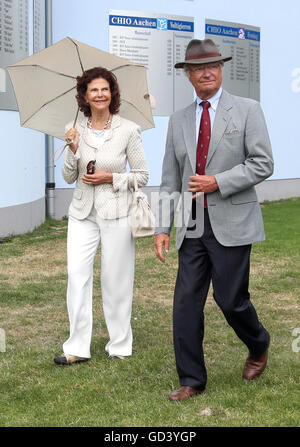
(214, 101)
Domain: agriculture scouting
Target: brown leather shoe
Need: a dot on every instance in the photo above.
(185, 392)
(254, 367)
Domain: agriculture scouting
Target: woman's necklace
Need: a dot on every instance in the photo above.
(97, 132)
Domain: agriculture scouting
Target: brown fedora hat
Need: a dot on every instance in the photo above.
(202, 52)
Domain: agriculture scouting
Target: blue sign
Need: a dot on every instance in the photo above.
(228, 31)
(139, 22)
(161, 24)
(178, 25)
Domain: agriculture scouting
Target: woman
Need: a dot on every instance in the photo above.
(101, 145)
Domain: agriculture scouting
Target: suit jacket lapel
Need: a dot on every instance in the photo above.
(189, 132)
(220, 123)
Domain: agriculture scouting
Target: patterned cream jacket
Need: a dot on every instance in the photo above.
(122, 144)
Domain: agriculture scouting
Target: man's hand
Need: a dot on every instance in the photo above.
(161, 241)
(202, 183)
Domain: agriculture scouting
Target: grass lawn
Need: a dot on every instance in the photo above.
(134, 393)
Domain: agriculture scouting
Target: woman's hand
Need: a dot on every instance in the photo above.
(97, 178)
(73, 135)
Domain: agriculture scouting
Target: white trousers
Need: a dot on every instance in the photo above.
(117, 278)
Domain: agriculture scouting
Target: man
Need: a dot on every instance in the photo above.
(230, 155)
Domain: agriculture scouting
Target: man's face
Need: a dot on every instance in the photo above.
(206, 78)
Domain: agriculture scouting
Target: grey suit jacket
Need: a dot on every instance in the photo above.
(239, 156)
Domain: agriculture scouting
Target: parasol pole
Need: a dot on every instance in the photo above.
(49, 143)
(75, 121)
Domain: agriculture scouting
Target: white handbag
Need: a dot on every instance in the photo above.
(142, 219)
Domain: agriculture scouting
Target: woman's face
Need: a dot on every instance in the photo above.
(98, 95)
